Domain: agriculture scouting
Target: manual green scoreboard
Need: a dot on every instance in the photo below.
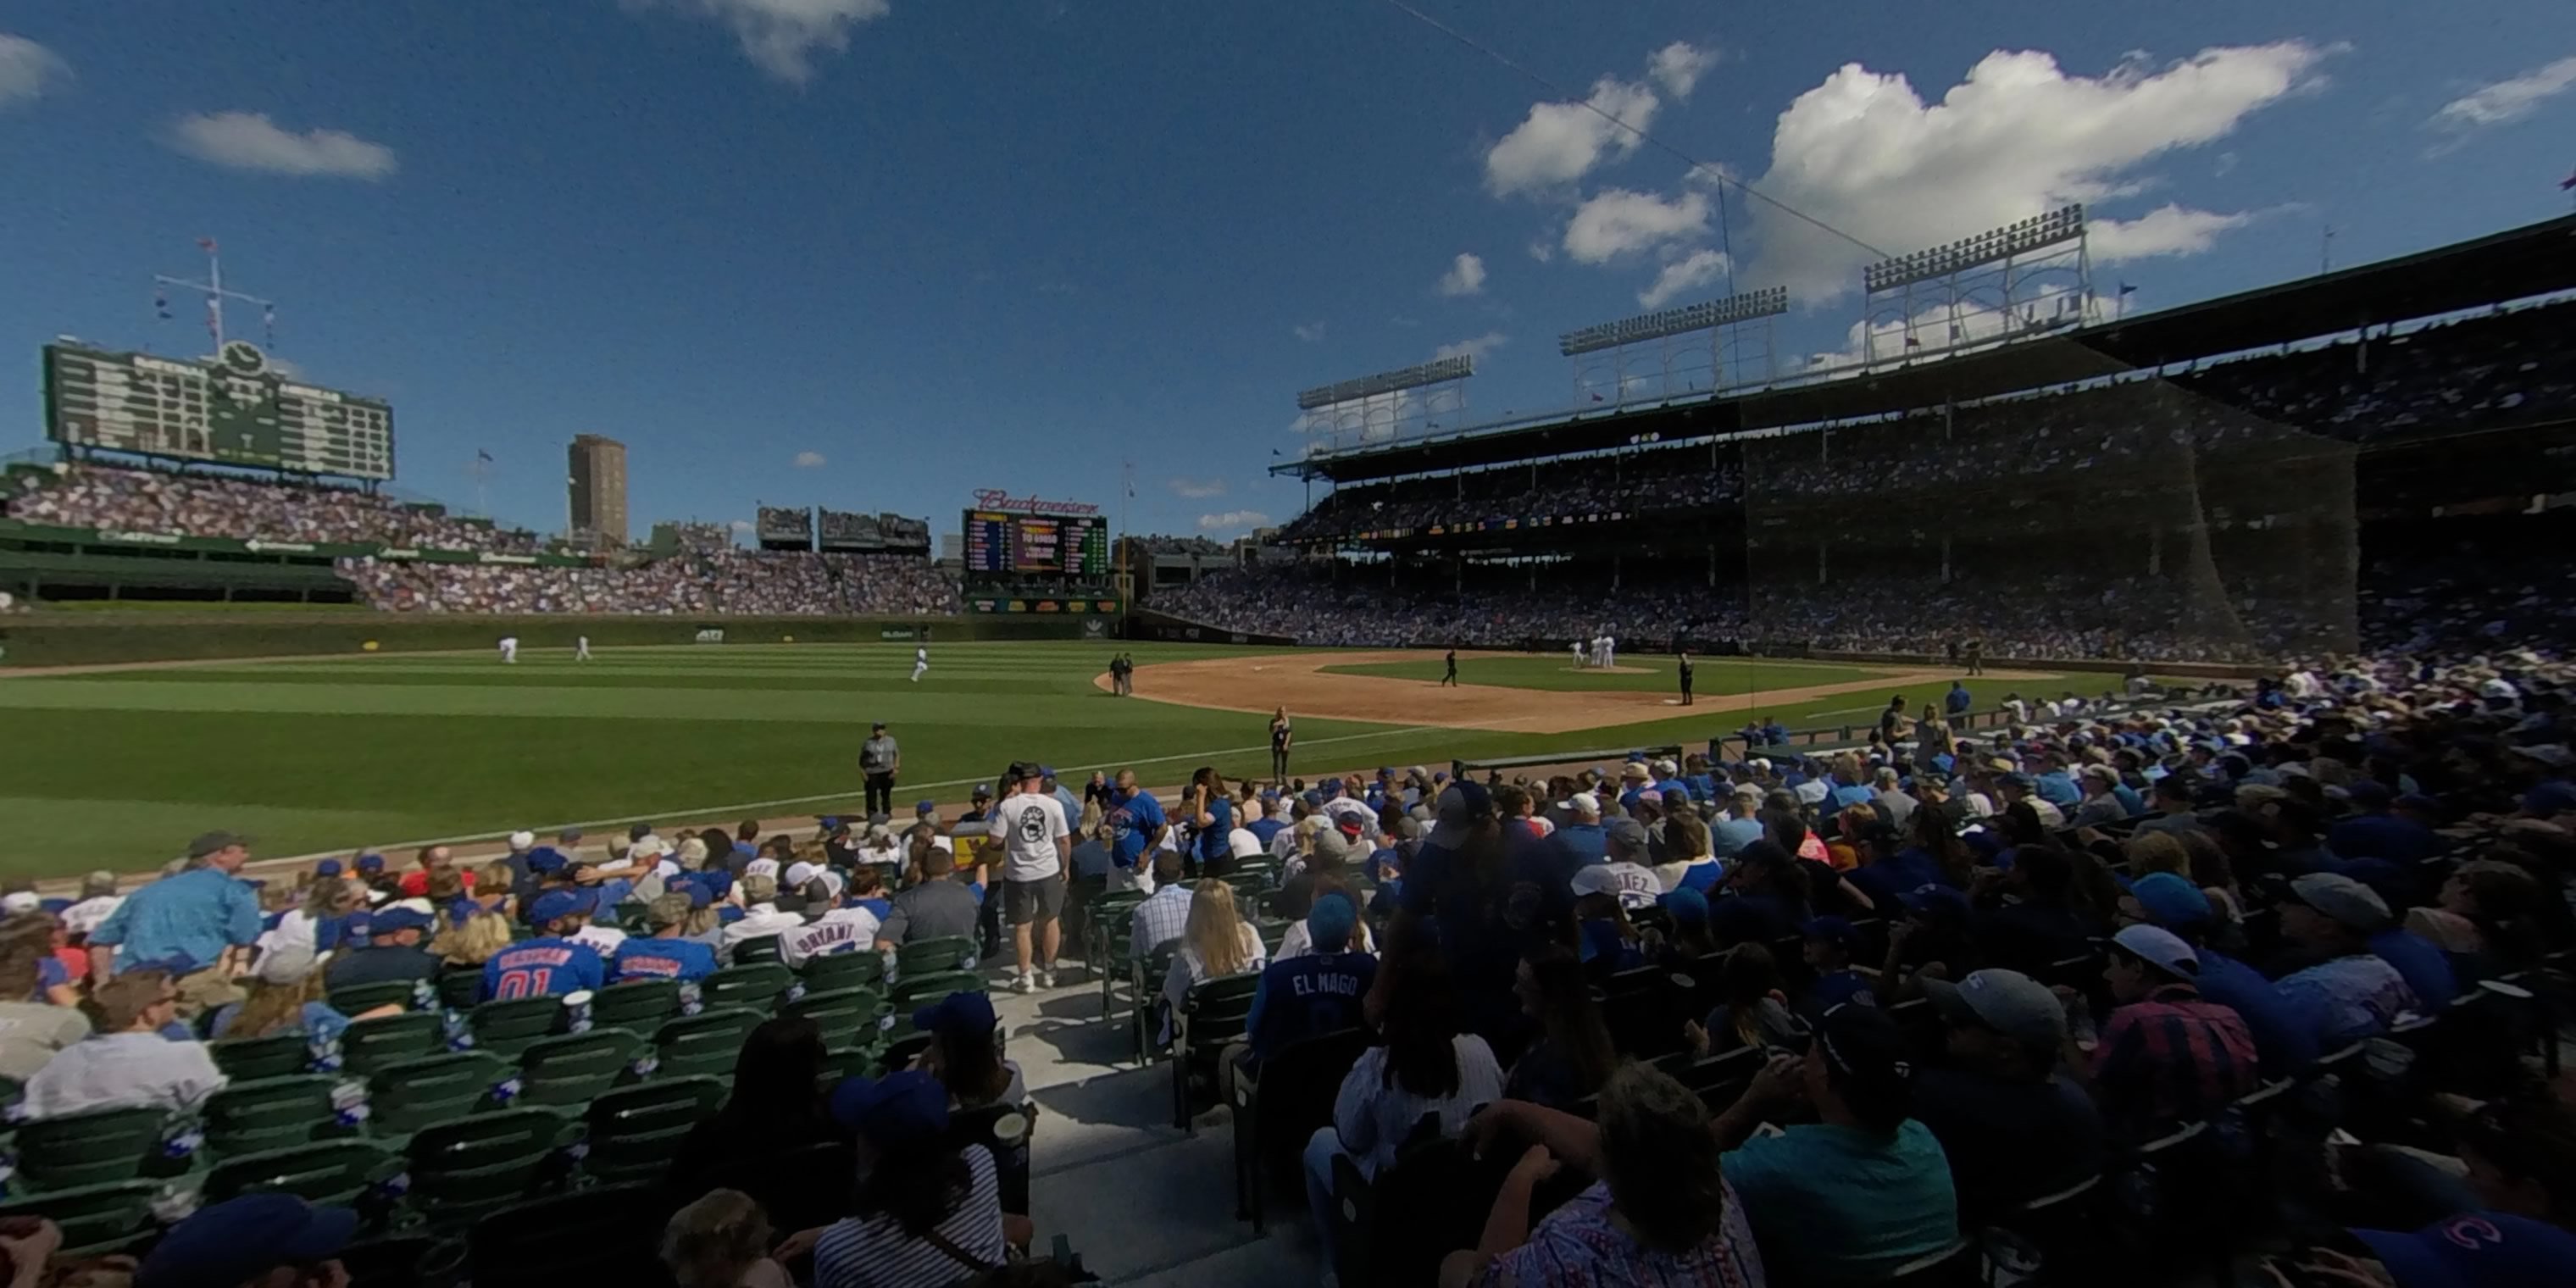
(234, 410)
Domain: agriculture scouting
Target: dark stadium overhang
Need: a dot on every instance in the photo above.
(2536, 259)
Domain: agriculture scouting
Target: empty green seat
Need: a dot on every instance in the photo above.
(860, 966)
(274, 1056)
(506, 1027)
(922, 990)
(96, 1220)
(640, 1005)
(849, 1062)
(576, 1068)
(270, 1113)
(460, 987)
(465, 1168)
(757, 986)
(930, 956)
(405, 1096)
(358, 999)
(333, 1172)
(635, 1130)
(370, 1045)
(757, 950)
(847, 1016)
(706, 1043)
(92, 1148)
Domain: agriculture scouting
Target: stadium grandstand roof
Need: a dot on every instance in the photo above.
(2535, 259)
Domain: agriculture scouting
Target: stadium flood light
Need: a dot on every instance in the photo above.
(2038, 232)
(1438, 371)
(1743, 306)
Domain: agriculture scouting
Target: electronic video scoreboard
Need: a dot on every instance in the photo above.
(236, 410)
(1011, 544)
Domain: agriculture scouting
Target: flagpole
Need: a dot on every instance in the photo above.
(215, 293)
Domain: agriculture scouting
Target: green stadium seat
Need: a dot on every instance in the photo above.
(757, 986)
(370, 1045)
(635, 1130)
(274, 1056)
(1211, 1015)
(639, 1005)
(465, 1168)
(847, 1016)
(358, 999)
(460, 987)
(333, 1172)
(921, 990)
(849, 1062)
(92, 1148)
(902, 1051)
(270, 1113)
(754, 952)
(934, 956)
(855, 969)
(97, 1220)
(1144, 985)
(509, 1026)
(574, 1069)
(707, 1043)
(404, 1096)
(631, 912)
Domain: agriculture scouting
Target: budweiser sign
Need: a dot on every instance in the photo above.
(993, 498)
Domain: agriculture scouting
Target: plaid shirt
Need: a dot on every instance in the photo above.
(2173, 1058)
(1159, 920)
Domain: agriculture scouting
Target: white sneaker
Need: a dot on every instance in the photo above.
(1022, 984)
(1046, 978)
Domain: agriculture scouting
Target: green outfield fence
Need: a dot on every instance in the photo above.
(30, 640)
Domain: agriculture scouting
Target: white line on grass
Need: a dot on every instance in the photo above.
(485, 835)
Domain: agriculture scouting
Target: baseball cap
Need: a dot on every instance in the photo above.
(2007, 1001)
(215, 842)
(905, 1106)
(1046, 771)
(553, 905)
(1634, 769)
(237, 1240)
(1934, 902)
(1594, 878)
(2168, 900)
(967, 1013)
(2160, 948)
(1330, 920)
(371, 862)
(925, 807)
(2342, 898)
(1685, 905)
(639, 831)
(1834, 930)
(522, 839)
(982, 792)
(2473, 1250)
(1462, 805)
(397, 919)
(878, 725)
(1584, 803)
(699, 896)
(1626, 836)
(327, 868)
(1866, 1047)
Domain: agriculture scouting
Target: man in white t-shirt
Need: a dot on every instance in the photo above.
(1035, 840)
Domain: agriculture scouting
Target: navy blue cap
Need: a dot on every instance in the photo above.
(370, 862)
(2476, 1250)
(925, 807)
(1685, 905)
(238, 1240)
(906, 1106)
(554, 905)
(967, 1012)
(327, 868)
(1833, 929)
(396, 920)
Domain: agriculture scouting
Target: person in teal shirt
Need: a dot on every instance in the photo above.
(197, 914)
(1854, 1196)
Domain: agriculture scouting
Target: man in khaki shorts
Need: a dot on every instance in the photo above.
(1029, 828)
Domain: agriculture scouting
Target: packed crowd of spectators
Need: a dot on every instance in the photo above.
(2113, 993)
(207, 505)
(1651, 482)
(1363, 605)
(728, 581)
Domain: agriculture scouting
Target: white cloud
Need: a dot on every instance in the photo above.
(1196, 489)
(809, 460)
(1863, 152)
(1616, 222)
(782, 36)
(2506, 101)
(1466, 276)
(1689, 273)
(1233, 521)
(1558, 143)
(1475, 348)
(1677, 66)
(741, 525)
(1932, 329)
(1310, 332)
(2166, 230)
(28, 69)
(250, 141)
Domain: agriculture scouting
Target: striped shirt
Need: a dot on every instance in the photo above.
(875, 1252)
(1579, 1245)
(2173, 1058)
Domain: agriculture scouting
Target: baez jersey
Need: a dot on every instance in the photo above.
(542, 968)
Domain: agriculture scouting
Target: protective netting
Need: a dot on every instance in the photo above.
(2125, 519)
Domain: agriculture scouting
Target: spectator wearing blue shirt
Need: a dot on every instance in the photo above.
(200, 914)
(1729, 835)
(1314, 993)
(393, 951)
(668, 953)
(1136, 826)
(2376, 831)
(1830, 945)
(2285, 1033)
(2058, 788)
(553, 964)
(1957, 701)
(1581, 840)
(1259, 819)
(1208, 808)
(2351, 991)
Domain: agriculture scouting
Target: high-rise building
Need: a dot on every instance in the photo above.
(598, 480)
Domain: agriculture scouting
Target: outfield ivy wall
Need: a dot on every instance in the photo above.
(169, 636)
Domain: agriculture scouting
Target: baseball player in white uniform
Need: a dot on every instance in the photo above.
(920, 662)
(1609, 650)
(509, 648)
(581, 648)
(1578, 655)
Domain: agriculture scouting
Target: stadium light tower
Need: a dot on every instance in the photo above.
(1381, 408)
(216, 294)
(1648, 348)
(2021, 280)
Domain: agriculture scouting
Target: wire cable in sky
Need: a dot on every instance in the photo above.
(1715, 171)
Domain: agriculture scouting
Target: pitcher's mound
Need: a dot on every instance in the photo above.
(1607, 670)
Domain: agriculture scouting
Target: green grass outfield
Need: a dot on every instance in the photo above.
(117, 768)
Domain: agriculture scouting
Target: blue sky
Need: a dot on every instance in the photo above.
(879, 253)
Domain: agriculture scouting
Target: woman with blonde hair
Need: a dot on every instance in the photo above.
(1215, 943)
(286, 997)
(493, 889)
(472, 941)
(722, 1241)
